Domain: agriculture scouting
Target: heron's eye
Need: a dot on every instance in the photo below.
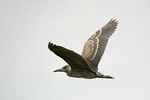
(64, 67)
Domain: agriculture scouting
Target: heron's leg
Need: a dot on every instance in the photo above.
(107, 76)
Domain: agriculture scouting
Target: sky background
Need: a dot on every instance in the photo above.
(27, 65)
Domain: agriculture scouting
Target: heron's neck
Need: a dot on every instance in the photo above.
(68, 69)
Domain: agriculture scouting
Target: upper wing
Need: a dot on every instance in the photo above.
(72, 58)
(96, 44)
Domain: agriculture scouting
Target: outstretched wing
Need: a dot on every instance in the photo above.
(73, 59)
(96, 44)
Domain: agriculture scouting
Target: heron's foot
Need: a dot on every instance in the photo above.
(107, 76)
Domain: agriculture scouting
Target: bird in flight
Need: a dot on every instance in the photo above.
(86, 65)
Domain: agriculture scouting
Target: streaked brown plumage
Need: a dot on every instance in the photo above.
(86, 65)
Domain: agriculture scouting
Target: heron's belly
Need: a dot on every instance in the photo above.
(83, 74)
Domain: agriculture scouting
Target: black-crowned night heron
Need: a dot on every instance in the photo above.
(86, 65)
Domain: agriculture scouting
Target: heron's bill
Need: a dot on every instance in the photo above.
(58, 70)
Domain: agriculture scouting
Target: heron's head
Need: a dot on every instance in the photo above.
(63, 69)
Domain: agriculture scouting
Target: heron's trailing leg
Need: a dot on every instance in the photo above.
(107, 76)
(104, 76)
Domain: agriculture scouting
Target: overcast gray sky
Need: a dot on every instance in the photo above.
(26, 67)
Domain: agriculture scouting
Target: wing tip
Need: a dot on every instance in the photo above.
(50, 45)
(113, 21)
